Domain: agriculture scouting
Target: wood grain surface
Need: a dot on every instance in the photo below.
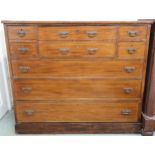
(77, 33)
(82, 111)
(77, 69)
(75, 88)
(65, 49)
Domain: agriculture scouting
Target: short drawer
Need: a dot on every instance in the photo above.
(78, 111)
(132, 33)
(41, 89)
(77, 33)
(76, 49)
(77, 68)
(22, 32)
(23, 49)
(131, 50)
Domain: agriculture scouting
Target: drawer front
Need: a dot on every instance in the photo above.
(23, 49)
(21, 32)
(67, 89)
(78, 68)
(77, 111)
(131, 50)
(76, 49)
(77, 33)
(132, 33)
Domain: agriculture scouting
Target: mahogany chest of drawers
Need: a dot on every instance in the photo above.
(78, 77)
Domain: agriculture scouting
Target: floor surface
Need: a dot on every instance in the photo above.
(7, 128)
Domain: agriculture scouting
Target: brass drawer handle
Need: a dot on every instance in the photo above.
(131, 50)
(24, 69)
(126, 112)
(92, 50)
(21, 33)
(128, 90)
(29, 112)
(91, 34)
(63, 34)
(26, 89)
(132, 33)
(23, 49)
(64, 50)
(129, 69)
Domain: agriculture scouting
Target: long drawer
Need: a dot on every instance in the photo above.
(76, 49)
(77, 68)
(78, 111)
(77, 33)
(41, 89)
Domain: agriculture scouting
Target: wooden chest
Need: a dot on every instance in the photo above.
(77, 77)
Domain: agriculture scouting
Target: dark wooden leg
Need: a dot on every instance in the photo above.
(148, 125)
(146, 133)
